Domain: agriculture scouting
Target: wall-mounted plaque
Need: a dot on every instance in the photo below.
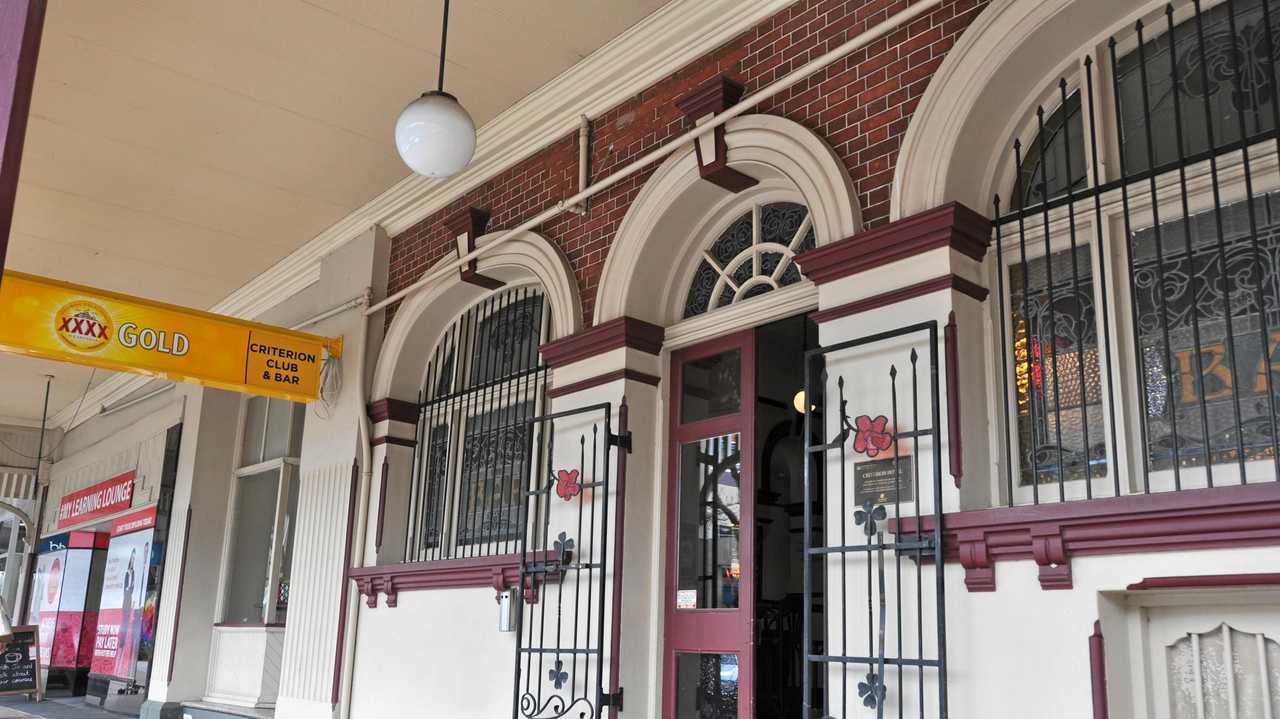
(874, 481)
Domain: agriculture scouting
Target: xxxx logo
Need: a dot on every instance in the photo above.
(82, 325)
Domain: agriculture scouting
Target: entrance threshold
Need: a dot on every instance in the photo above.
(209, 710)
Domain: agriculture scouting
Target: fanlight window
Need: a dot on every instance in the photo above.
(1224, 673)
(754, 255)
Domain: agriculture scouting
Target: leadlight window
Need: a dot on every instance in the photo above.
(1190, 119)
(473, 445)
(755, 254)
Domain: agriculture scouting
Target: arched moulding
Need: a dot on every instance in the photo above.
(650, 260)
(957, 147)
(527, 259)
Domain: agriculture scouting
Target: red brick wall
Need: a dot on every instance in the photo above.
(860, 105)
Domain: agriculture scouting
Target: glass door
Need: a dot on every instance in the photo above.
(710, 536)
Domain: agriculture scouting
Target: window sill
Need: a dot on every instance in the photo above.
(1051, 534)
(501, 572)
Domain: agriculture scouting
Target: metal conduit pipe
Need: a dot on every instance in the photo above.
(670, 148)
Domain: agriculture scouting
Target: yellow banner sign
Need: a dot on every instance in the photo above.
(61, 321)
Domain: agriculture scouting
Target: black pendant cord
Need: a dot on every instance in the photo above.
(444, 39)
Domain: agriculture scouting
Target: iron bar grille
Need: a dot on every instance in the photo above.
(875, 633)
(471, 463)
(1139, 264)
(568, 602)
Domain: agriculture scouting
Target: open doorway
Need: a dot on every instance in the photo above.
(735, 612)
(779, 515)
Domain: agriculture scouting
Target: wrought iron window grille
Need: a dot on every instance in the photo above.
(1138, 267)
(472, 457)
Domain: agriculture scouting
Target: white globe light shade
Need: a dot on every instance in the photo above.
(435, 136)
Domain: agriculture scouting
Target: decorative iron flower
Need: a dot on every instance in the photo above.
(557, 675)
(564, 547)
(870, 436)
(872, 691)
(567, 484)
(868, 516)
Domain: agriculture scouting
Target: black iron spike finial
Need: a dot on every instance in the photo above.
(1168, 9)
(1062, 83)
(914, 355)
(1111, 42)
(1088, 60)
(1138, 25)
(840, 381)
(1017, 145)
(996, 202)
(1040, 112)
(893, 371)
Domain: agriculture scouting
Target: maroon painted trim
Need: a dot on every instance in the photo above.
(715, 95)
(398, 441)
(1052, 534)
(952, 225)
(710, 630)
(607, 377)
(21, 24)
(346, 585)
(396, 410)
(1098, 672)
(177, 609)
(884, 299)
(952, 350)
(1207, 581)
(501, 571)
(382, 504)
(621, 332)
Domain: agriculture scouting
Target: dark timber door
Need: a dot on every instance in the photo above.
(570, 594)
(709, 593)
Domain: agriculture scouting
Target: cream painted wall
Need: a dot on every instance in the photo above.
(437, 654)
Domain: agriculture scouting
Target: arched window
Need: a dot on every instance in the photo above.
(484, 381)
(1139, 247)
(753, 255)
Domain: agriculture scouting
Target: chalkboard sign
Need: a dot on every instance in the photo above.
(874, 481)
(19, 661)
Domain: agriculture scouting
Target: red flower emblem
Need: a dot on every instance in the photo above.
(567, 485)
(870, 436)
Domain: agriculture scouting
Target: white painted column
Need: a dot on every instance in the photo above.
(188, 597)
(329, 446)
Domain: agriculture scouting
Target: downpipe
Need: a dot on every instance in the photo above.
(358, 538)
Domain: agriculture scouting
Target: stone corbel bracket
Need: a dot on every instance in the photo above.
(1052, 534)
(715, 96)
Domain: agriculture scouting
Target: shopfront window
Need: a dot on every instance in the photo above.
(264, 515)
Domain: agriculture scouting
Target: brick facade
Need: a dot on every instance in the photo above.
(860, 106)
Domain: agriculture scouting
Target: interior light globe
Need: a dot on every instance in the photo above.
(435, 136)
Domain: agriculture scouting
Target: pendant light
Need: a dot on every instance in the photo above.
(434, 135)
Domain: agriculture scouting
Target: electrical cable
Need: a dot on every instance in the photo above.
(54, 450)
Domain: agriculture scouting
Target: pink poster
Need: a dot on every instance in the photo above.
(74, 582)
(124, 587)
(48, 593)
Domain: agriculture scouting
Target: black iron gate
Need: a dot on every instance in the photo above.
(570, 586)
(875, 632)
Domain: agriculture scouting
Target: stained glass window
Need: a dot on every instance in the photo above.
(1045, 160)
(754, 255)
(482, 385)
(1058, 386)
(1208, 298)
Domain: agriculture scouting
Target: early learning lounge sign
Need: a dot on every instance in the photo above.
(61, 321)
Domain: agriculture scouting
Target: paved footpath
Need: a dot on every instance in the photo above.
(17, 707)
